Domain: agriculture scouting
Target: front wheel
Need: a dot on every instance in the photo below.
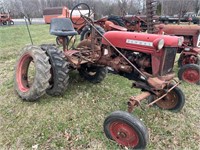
(126, 130)
(190, 73)
(4, 23)
(94, 74)
(11, 22)
(173, 101)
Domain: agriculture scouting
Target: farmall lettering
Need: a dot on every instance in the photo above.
(129, 41)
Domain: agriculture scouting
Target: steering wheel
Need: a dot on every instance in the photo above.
(78, 8)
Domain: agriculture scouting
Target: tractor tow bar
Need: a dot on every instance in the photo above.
(150, 104)
(136, 100)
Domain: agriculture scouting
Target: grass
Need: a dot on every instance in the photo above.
(75, 121)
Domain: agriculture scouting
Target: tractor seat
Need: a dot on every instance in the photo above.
(62, 27)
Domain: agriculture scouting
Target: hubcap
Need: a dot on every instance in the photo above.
(23, 73)
(124, 134)
(191, 75)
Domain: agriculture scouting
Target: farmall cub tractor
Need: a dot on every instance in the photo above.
(147, 59)
(189, 60)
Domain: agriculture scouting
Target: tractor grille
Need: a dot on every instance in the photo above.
(168, 60)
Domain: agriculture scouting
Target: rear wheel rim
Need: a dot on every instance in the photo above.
(191, 75)
(123, 134)
(22, 73)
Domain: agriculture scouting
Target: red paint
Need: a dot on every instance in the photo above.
(124, 134)
(189, 32)
(191, 75)
(119, 40)
(22, 72)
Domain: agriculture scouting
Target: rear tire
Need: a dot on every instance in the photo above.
(4, 23)
(86, 32)
(116, 20)
(126, 130)
(25, 89)
(11, 22)
(59, 70)
(190, 73)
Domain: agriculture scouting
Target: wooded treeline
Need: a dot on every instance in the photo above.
(34, 8)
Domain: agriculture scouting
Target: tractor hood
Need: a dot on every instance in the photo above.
(140, 41)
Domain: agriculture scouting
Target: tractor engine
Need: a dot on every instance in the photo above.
(114, 60)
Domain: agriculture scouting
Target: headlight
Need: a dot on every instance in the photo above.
(180, 41)
(161, 44)
(158, 43)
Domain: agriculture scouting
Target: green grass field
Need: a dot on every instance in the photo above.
(75, 121)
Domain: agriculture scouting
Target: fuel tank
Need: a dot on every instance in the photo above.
(140, 42)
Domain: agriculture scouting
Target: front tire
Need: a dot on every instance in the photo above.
(32, 73)
(190, 73)
(59, 70)
(174, 101)
(126, 130)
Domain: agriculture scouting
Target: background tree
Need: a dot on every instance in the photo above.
(34, 8)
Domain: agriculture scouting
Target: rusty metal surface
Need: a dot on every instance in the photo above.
(164, 95)
(135, 100)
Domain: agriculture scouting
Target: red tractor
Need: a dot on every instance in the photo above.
(5, 19)
(148, 59)
(189, 60)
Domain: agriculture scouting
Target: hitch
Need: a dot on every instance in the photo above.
(135, 100)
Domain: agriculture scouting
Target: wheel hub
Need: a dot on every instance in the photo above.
(191, 75)
(124, 134)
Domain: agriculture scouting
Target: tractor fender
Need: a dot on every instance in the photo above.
(109, 25)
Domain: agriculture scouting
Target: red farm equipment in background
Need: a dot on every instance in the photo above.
(5, 19)
(189, 60)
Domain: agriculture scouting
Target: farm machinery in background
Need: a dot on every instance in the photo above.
(190, 17)
(5, 19)
(147, 59)
(189, 60)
